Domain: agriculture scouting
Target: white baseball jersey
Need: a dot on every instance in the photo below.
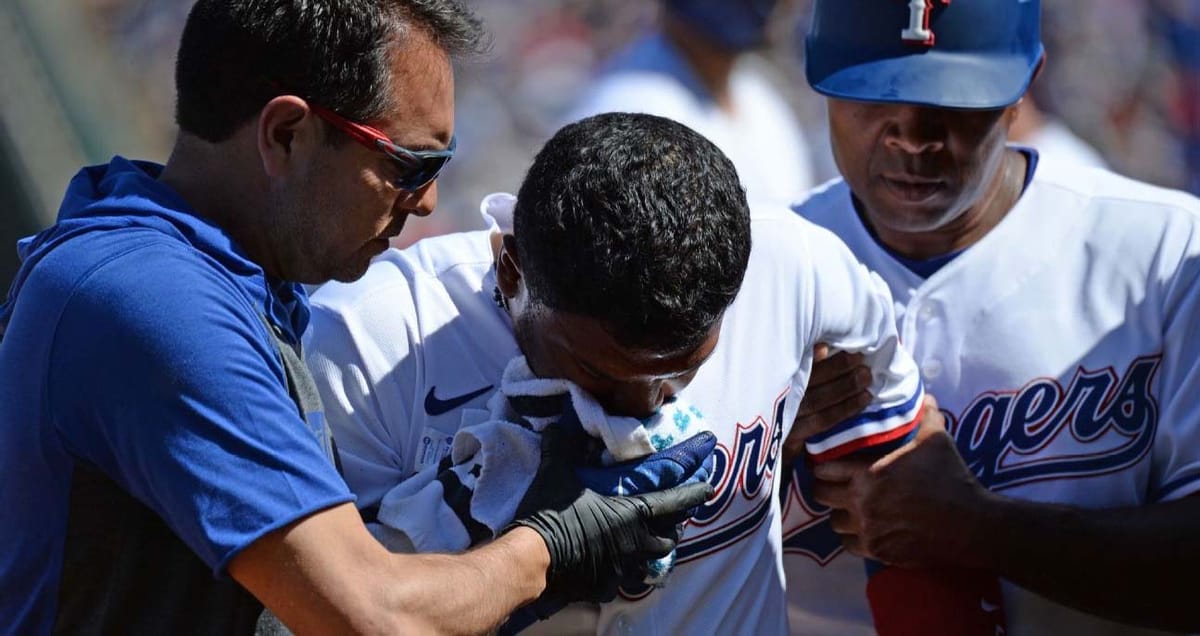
(1063, 347)
(761, 137)
(403, 354)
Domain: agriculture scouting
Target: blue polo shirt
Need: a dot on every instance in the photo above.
(140, 386)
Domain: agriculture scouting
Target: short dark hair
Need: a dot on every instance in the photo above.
(236, 55)
(637, 221)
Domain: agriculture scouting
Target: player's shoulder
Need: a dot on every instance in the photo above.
(437, 256)
(1117, 222)
(397, 278)
(1115, 198)
(817, 214)
(778, 231)
(768, 217)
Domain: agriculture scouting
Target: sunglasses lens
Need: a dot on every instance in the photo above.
(421, 172)
(418, 168)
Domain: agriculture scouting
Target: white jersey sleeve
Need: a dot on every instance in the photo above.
(1175, 456)
(361, 378)
(854, 312)
(399, 354)
(845, 306)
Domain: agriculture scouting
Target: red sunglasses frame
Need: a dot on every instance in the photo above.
(421, 167)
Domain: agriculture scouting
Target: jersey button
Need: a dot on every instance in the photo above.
(925, 313)
(931, 369)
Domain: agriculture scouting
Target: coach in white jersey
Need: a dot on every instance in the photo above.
(631, 237)
(1053, 312)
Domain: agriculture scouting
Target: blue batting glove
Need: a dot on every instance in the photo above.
(690, 461)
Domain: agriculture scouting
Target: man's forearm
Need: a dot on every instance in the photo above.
(1134, 565)
(325, 574)
(474, 592)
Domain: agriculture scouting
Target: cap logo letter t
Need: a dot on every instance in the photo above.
(918, 31)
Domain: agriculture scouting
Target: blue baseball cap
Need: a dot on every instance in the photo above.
(968, 54)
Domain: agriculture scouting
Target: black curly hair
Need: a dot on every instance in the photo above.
(638, 221)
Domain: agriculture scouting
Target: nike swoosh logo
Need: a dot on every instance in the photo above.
(435, 406)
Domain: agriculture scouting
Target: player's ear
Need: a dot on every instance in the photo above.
(508, 267)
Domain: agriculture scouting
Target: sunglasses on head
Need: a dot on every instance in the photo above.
(417, 167)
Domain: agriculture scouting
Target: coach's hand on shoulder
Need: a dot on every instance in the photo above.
(838, 389)
(916, 506)
(598, 542)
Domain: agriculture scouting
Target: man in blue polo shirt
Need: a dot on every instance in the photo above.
(165, 464)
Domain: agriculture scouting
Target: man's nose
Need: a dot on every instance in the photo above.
(639, 400)
(420, 202)
(915, 130)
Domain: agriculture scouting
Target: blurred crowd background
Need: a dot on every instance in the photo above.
(81, 80)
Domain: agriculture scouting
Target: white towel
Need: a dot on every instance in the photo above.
(474, 491)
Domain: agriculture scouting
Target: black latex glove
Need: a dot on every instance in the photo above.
(597, 542)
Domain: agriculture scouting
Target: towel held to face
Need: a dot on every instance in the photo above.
(474, 491)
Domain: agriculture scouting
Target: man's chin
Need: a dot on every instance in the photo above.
(358, 269)
(352, 272)
(911, 218)
(349, 276)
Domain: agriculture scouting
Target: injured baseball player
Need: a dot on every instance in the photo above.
(621, 275)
